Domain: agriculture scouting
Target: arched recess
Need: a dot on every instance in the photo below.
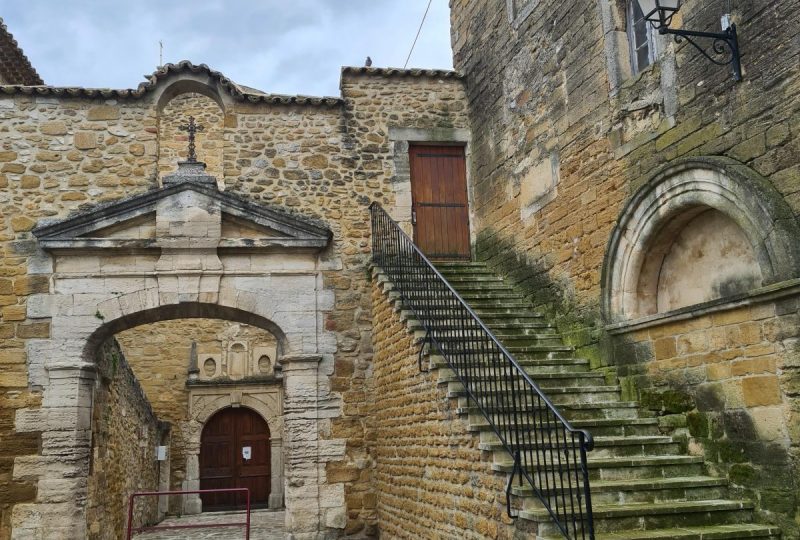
(714, 194)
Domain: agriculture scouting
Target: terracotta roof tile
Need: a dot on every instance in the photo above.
(238, 92)
(15, 68)
(399, 72)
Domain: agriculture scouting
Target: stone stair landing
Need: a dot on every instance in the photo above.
(643, 484)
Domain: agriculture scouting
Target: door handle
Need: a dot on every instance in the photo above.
(413, 217)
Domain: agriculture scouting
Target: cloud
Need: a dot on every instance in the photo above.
(291, 48)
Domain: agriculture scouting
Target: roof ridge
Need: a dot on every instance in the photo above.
(151, 81)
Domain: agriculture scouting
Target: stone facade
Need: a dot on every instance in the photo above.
(324, 159)
(125, 434)
(431, 479)
(585, 174)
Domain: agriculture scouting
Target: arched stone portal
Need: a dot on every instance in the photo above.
(162, 255)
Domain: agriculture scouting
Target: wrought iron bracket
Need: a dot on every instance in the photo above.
(516, 470)
(723, 44)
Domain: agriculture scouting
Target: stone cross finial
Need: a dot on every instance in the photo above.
(192, 129)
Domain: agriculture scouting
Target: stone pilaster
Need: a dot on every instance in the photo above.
(63, 466)
(311, 512)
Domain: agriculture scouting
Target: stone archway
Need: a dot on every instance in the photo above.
(157, 256)
(688, 192)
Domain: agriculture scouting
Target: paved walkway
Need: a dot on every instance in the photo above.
(265, 525)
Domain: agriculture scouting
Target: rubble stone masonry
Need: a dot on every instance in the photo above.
(432, 480)
(323, 159)
(125, 434)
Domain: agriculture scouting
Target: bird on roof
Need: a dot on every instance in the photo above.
(368, 62)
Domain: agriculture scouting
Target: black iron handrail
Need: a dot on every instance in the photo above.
(548, 452)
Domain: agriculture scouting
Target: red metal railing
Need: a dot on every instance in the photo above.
(132, 529)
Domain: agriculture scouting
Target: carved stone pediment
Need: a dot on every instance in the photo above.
(184, 214)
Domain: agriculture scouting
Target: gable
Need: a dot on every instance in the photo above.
(235, 227)
(146, 220)
(141, 227)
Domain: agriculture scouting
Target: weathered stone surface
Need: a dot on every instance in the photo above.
(125, 433)
(103, 112)
(85, 140)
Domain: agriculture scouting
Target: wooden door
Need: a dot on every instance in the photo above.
(222, 461)
(440, 210)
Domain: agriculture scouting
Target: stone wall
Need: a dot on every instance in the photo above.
(326, 160)
(158, 354)
(432, 480)
(563, 137)
(173, 141)
(730, 380)
(125, 434)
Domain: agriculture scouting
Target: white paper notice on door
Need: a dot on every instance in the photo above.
(247, 452)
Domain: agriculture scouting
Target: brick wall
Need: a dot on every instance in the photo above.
(432, 481)
(125, 433)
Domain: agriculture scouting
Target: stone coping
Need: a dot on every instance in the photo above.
(756, 296)
(247, 381)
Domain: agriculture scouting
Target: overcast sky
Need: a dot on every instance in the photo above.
(280, 46)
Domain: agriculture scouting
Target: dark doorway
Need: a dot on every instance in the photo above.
(224, 461)
(439, 198)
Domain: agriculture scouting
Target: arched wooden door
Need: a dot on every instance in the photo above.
(235, 453)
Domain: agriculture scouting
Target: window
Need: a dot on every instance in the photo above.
(641, 37)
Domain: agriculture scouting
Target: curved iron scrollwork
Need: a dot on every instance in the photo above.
(722, 44)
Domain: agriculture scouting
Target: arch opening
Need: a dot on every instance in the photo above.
(183, 310)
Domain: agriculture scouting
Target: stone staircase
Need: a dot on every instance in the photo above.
(643, 484)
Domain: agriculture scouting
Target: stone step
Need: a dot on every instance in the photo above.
(471, 333)
(543, 380)
(711, 532)
(644, 516)
(528, 352)
(542, 365)
(498, 324)
(457, 278)
(643, 490)
(465, 285)
(526, 339)
(558, 396)
(622, 427)
(572, 411)
(623, 467)
(604, 447)
(501, 314)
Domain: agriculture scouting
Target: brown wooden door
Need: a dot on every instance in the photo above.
(439, 198)
(222, 463)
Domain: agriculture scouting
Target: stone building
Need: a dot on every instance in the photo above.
(620, 212)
